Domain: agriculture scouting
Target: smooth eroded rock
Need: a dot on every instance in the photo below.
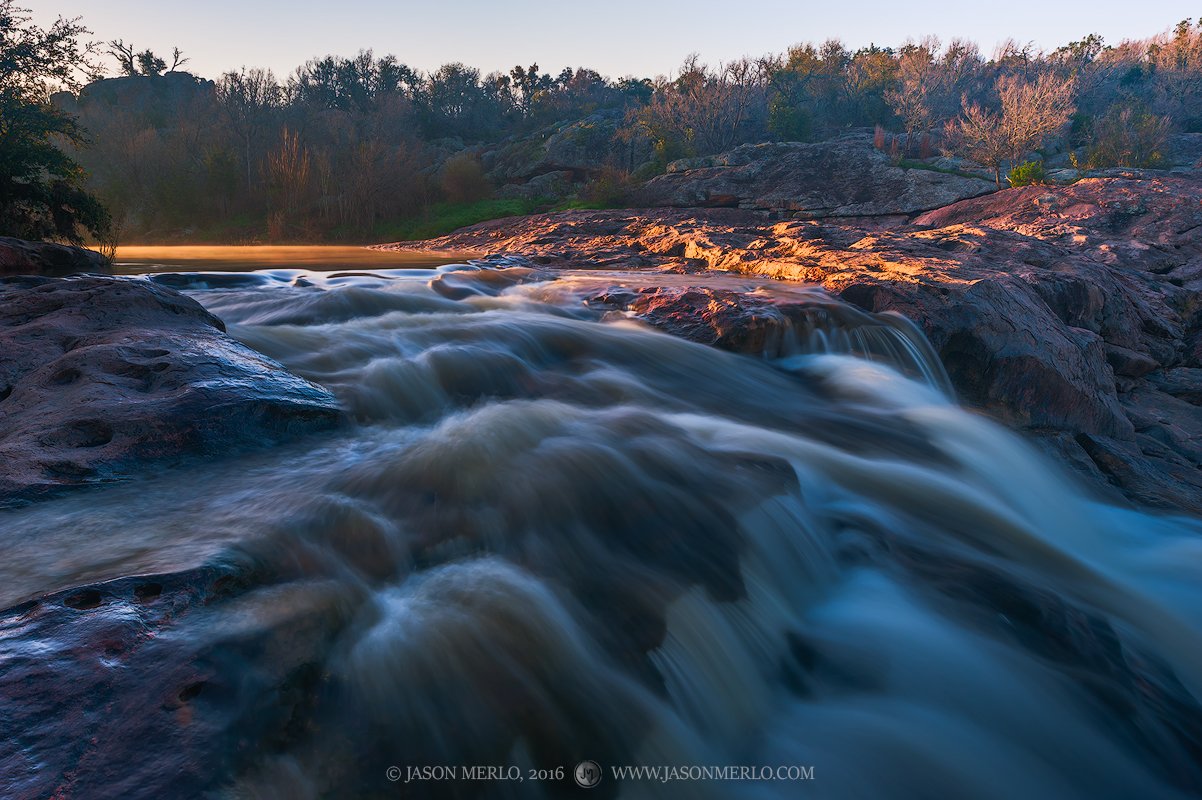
(100, 377)
(158, 685)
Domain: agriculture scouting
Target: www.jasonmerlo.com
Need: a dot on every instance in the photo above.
(587, 777)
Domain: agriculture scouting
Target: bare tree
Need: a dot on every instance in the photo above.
(177, 59)
(125, 55)
(931, 86)
(248, 98)
(1029, 113)
(912, 99)
(1176, 63)
(287, 173)
(704, 109)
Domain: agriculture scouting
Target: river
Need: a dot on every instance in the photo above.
(547, 535)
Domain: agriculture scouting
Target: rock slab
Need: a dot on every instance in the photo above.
(844, 177)
(100, 377)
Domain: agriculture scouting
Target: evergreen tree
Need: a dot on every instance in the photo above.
(41, 187)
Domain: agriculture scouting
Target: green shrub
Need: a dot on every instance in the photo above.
(789, 123)
(1027, 174)
(1127, 137)
(442, 218)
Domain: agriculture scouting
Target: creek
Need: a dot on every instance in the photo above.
(546, 534)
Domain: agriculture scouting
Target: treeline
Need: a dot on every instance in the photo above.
(1122, 101)
(339, 146)
(343, 147)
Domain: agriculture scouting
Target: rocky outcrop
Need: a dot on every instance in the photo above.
(1151, 226)
(148, 94)
(551, 185)
(1071, 312)
(101, 377)
(19, 257)
(591, 145)
(843, 177)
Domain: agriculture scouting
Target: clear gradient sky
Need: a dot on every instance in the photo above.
(615, 37)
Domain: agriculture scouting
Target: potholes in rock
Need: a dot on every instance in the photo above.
(148, 591)
(135, 372)
(84, 599)
(21, 609)
(64, 377)
(191, 692)
(79, 433)
(86, 433)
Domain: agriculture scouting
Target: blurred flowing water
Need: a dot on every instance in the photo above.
(548, 533)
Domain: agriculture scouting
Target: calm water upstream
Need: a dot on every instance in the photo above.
(143, 259)
(550, 534)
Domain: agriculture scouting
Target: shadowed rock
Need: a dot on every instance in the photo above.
(19, 257)
(160, 685)
(100, 377)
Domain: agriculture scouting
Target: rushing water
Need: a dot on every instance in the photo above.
(551, 534)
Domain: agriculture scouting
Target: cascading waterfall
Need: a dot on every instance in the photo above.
(542, 539)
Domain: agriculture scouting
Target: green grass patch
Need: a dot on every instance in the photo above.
(1028, 174)
(442, 218)
(586, 205)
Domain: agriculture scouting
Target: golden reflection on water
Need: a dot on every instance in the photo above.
(245, 258)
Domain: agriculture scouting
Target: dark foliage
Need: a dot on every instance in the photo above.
(42, 193)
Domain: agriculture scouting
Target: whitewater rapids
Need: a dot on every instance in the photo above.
(552, 535)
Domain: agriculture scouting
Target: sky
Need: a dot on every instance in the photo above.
(616, 38)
